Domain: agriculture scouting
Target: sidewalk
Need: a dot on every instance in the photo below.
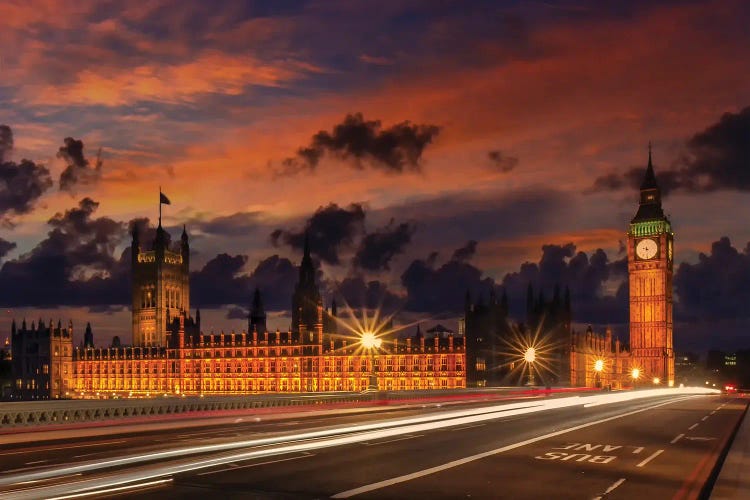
(734, 479)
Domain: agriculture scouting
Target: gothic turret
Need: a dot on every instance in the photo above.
(649, 207)
(88, 336)
(306, 294)
(257, 315)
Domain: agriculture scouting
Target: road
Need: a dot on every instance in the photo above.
(656, 447)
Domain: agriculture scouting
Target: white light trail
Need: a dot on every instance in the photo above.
(304, 442)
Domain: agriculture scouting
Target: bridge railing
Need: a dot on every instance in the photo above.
(60, 412)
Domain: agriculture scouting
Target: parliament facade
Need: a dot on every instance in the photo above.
(173, 356)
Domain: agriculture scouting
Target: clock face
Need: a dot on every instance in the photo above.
(646, 249)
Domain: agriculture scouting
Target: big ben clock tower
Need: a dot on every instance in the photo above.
(650, 254)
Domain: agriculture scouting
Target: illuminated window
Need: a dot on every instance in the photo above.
(481, 366)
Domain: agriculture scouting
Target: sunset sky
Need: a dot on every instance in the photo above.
(429, 147)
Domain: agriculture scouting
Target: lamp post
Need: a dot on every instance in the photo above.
(370, 342)
(529, 357)
(657, 380)
(635, 374)
(598, 367)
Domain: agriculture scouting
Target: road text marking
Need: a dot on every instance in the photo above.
(455, 463)
(651, 457)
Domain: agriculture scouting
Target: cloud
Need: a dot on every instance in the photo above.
(377, 249)
(77, 171)
(75, 264)
(717, 287)
(598, 286)
(220, 282)
(21, 184)
(5, 247)
(363, 143)
(466, 252)
(6, 143)
(714, 159)
(358, 292)
(330, 230)
(439, 290)
(501, 161)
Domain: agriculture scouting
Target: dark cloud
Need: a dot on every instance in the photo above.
(219, 282)
(330, 229)
(466, 252)
(275, 277)
(74, 265)
(77, 171)
(717, 287)
(437, 290)
(377, 249)
(713, 159)
(236, 312)
(237, 224)
(598, 286)
(6, 143)
(21, 184)
(501, 161)
(5, 247)
(357, 293)
(365, 143)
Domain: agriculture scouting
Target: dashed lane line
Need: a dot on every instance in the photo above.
(692, 427)
(677, 439)
(611, 488)
(651, 457)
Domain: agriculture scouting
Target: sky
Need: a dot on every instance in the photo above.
(428, 148)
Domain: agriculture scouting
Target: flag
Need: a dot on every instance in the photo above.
(163, 199)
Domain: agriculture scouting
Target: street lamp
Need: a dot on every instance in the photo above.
(372, 343)
(657, 380)
(598, 367)
(530, 356)
(635, 374)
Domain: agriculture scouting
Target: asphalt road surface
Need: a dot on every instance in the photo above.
(659, 447)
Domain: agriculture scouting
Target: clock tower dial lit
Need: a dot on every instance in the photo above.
(650, 271)
(646, 249)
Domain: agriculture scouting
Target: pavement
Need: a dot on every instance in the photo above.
(733, 481)
(660, 447)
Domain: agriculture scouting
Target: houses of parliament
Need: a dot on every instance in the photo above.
(171, 354)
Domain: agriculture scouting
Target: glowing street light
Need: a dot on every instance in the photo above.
(635, 374)
(530, 356)
(598, 367)
(657, 380)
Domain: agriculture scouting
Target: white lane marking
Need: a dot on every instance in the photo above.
(704, 418)
(638, 450)
(36, 462)
(677, 439)
(611, 488)
(692, 427)
(103, 443)
(712, 412)
(455, 463)
(393, 440)
(467, 427)
(236, 467)
(653, 456)
(112, 490)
